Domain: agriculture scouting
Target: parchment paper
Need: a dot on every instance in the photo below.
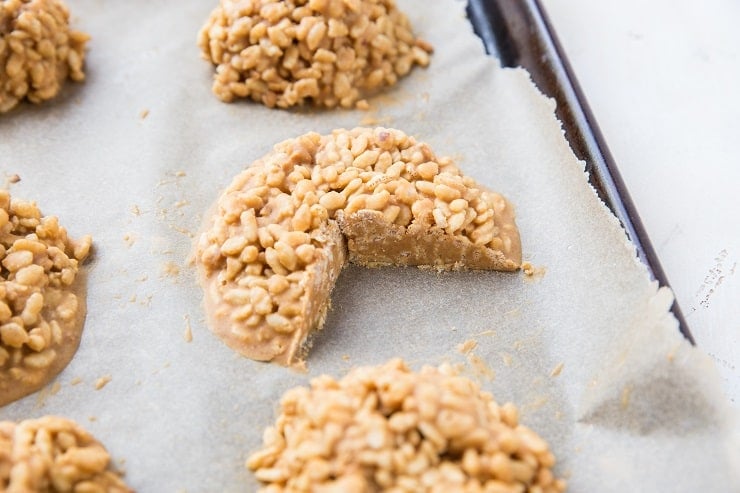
(633, 408)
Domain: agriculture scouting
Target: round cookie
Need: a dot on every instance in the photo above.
(328, 53)
(286, 225)
(54, 454)
(386, 428)
(42, 305)
(38, 51)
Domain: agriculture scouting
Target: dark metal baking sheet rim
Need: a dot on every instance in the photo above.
(519, 33)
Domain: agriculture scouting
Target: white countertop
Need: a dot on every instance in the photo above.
(663, 81)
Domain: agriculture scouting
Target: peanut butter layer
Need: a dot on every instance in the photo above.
(283, 229)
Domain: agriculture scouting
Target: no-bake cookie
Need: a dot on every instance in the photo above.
(38, 51)
(329, 53)
(390, 429)
(54, 455)
(283, 229)
(42, 305)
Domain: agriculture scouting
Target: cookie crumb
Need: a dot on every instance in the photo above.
(467, 346)
(558, 368)
(171, 269)
(102, 382)
(506, 359)
(188, 335)
(144, 113)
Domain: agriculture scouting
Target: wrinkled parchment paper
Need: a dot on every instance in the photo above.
(586, 347)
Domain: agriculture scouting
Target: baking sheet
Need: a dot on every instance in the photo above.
(633, 408)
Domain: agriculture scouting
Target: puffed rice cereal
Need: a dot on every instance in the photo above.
(41, 304)
(284, 228)
(38, 51)
(284, 53)
(389, 429)
(54, 455)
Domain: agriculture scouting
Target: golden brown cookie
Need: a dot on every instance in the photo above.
(283, 229)
(387, 428)
(42, 302)
(54, 454)
(38, 51)
(329, 53)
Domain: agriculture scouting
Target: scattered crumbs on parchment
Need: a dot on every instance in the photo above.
(183, 231)
(453, 328)
(480, 368)
(506, 357)
(369, 120)
(135, 210)
(489, 332)
(92, 419)
(156, 371)
(626, 394)
(345, 357)
(375, 120)
(132, 299)
(532, 272)
(147, 301)
(170, 269)
(181, 203)
(513, 313)
(76, 381)
(172, 178)
(129, 239)
(672, 353)
(41, 397)
(467, 346)
(536, 404)
(188, 335)
(144, 113)
(11, 179)
(558, 368)
(102, 381)
(55, 388)
(142, 278)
